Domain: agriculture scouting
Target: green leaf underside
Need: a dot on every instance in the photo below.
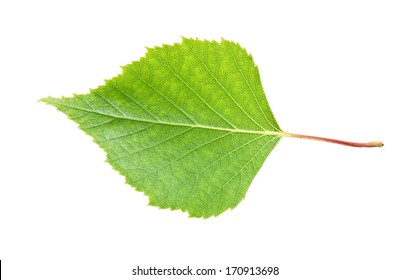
(188, 124)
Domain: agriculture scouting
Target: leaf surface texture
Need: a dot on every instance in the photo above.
(188, 124)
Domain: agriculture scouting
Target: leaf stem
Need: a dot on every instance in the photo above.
(371, 144)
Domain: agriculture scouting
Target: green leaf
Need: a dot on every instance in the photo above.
(188, 124)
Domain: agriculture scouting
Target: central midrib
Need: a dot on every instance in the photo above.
(264, 132)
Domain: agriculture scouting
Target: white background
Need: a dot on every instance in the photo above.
(318, 211)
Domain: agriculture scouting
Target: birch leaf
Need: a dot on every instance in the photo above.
(188, 124)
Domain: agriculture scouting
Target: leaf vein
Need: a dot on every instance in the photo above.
(133, 100)
(182, 156)
(163, 96)
(152, 146)
(231, 178)
(192, 90)
(214, 162)
(110, 103)
(278, 133)
(251, 89)
(128, 134)
(223, 88)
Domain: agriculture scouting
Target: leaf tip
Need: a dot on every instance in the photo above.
(47, 100)
(44, 99)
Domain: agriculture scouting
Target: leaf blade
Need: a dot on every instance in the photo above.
(178, 129)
